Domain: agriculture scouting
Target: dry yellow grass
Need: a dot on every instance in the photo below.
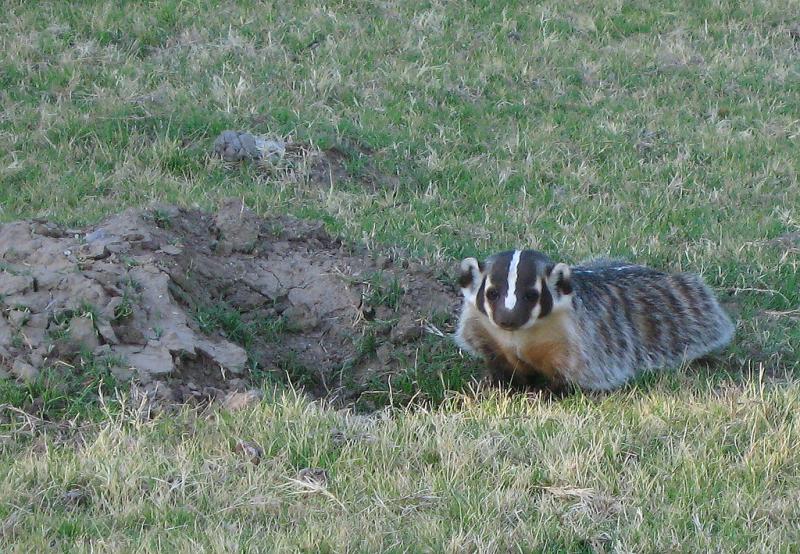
(706, 469)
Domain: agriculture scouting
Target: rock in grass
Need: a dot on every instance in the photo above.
(235, 146)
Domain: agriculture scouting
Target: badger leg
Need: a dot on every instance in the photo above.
(518, 376)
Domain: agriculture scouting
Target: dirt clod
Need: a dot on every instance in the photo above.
(82, 333)
(236, 228)
(406, 330)
(300, 318)
(24, 371)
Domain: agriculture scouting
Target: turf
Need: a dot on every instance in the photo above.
(665, 132)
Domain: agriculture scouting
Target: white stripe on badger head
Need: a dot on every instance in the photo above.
(511, 295)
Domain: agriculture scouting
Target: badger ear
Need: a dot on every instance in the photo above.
(470, 278)
(558, 277)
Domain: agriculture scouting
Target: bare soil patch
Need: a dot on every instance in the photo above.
(193, 304)
(322, 168)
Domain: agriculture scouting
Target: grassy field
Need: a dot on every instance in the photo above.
(665, 132)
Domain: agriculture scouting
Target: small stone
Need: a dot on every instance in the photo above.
(35, 329)
(249, 148)
(106, 331)
(300, 318)
(97, 250)
(235, 401)
(406, 330)
(24, 371)
(18, 318)
(234, 146)
(227, 355)
(48, 229)
(82, 333)
(271, 149)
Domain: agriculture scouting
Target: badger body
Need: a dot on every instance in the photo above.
(594, 326)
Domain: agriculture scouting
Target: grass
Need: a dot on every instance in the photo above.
(704, 469)
(665, 132)
(84, 390)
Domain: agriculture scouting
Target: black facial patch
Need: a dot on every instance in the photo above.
(527, 271)
(480, 298)
(465, 279)
(545, 300)
(498, 271)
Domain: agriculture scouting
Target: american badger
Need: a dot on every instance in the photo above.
(594, 326)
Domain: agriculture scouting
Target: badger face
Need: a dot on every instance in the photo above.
(516, 288)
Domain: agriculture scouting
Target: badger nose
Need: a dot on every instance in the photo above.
(505, 319)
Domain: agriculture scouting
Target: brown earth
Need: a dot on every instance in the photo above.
(192, 304)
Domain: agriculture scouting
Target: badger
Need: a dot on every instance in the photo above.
(594, 326)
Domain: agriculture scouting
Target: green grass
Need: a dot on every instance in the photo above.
(83, 390)
(665, 132)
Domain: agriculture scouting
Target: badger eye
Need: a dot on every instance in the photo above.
(532, 295)
(492, 294)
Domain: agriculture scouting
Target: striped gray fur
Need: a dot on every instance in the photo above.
(634, 318)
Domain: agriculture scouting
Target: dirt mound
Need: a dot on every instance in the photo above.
(196, 303)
